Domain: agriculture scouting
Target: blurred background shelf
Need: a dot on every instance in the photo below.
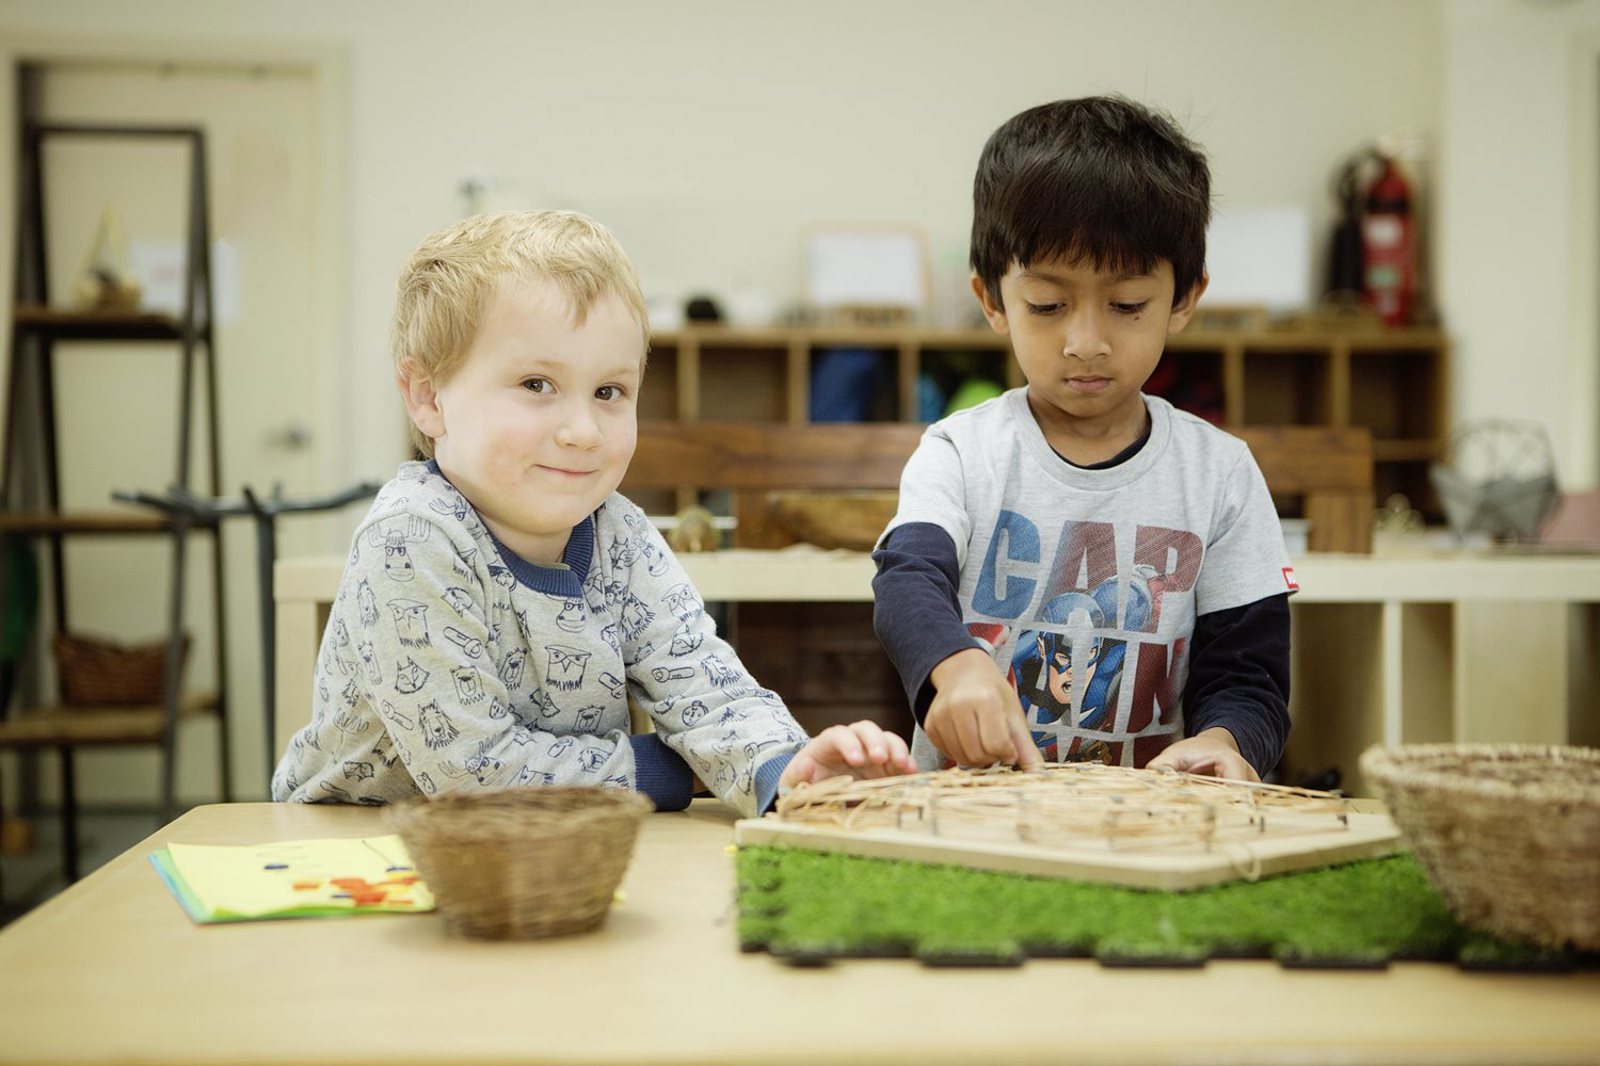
(1393, 382)
(66, 324)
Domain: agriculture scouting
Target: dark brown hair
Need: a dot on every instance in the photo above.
(1102, 179)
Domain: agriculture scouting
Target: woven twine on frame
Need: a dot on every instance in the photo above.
(524, 863)
(102, 673)
(1509, 834)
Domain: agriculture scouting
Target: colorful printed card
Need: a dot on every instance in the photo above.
(292, 879)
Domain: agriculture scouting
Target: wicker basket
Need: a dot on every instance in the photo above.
(853, 520)
(103, 673)
(1509, 834)
(524, 863)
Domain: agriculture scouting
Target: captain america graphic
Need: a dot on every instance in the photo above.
(1068, 676)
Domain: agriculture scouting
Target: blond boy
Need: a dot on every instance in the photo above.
(502, 602)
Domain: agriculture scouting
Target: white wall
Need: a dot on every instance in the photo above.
(1517, 217)
(710, 134)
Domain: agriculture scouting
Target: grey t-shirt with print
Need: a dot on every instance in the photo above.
(1084, 584)
(449, 663)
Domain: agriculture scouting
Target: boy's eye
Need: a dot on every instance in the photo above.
(1043, 309)
(609, 392)
(536, 385)
(1130, 308)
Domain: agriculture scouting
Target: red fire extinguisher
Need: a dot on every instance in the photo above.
(1389, 273)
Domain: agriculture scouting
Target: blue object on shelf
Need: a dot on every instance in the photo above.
(843, 384)
(930, 399)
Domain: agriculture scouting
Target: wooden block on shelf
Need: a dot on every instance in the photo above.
(1331, 468)
(1340, 521)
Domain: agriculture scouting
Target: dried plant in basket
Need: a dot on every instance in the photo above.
(1509, 834)
(524, 863)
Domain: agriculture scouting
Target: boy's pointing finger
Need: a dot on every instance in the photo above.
(1028, 756)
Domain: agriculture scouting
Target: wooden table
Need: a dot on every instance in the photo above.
(113, 971)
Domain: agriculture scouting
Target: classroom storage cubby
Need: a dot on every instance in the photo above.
(1392, 381)
(1287, 387)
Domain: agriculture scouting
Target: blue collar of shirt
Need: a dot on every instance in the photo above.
(565, 580)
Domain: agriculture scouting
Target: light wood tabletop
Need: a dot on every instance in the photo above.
(113, 971)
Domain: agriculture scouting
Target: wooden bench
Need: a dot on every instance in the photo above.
(753, 460)
(1331, 469)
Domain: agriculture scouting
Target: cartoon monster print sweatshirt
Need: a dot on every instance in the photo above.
(451, 664)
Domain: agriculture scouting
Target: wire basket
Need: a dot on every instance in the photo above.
(525, 863)
(1509, 834)
(102, 673)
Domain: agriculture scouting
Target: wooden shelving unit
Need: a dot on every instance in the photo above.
(42, 333)
(1392, 381)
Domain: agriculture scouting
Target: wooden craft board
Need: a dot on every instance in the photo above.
(1171, 868)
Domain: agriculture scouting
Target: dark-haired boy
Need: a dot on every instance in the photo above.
(1132, 548)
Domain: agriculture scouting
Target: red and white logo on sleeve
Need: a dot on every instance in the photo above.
(1288, 579)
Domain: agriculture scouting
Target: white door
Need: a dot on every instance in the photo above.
(118, 403)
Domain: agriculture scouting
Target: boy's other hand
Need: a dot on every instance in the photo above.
(975, 717)
(1212, 752)
(860, 749)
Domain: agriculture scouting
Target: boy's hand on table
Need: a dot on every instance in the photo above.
(1212, 752)
(975, 717)
(860, 749)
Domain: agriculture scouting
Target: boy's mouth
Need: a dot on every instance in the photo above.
(563, 472)
(1088, 384)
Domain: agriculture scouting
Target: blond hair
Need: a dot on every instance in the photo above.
(446, 284)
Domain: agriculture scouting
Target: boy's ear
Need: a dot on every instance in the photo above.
(995, 313)
(422, 399)
(1183, 311)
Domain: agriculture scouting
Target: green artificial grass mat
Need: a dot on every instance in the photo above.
(809, 906)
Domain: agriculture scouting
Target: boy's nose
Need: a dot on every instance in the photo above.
(579, 428)
(1086, 334)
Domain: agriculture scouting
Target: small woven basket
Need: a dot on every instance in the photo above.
(525, 863)
(103, 673)
(1509, 834)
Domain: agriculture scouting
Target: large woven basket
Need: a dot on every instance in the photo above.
(102, 673)
(853, 520)
(524, 863)
(1509, 834)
